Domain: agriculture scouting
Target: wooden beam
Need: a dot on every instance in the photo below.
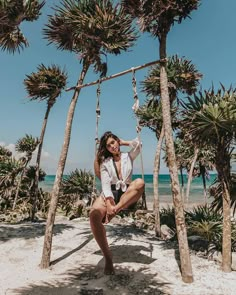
(116, 75)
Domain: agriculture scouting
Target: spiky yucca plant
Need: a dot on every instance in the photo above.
(78, 185)
(27, 145)
(47, 85)
(182, 77)
(216, 192)
(12, 14)
(5, 153)
(10, 169)
(210, 118)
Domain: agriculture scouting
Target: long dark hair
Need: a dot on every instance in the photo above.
(103, 153)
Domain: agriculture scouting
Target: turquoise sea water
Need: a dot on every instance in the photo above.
(196, 191)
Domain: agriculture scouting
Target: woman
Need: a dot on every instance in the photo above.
(114, 168)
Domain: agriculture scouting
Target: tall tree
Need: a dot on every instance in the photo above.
(150, 115)
(183, 77)
(26, 145)
(12, 14)
(91, 29)
(211, 119)
(46, 84)
(157, 17)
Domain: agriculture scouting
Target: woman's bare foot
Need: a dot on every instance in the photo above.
(109, 268)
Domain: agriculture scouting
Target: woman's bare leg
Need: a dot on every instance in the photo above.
(97, 213)
(132, 195)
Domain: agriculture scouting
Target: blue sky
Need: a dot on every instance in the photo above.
(208, 40)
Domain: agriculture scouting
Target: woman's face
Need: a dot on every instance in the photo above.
(113, 146)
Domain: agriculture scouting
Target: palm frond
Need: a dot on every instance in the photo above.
(90, 28)
(46, 83)
(182, 77)
(27, 144)
(157, 16)
(78, 182)
(211, 115)
(12, 14)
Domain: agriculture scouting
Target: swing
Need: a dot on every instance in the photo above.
(138, 129)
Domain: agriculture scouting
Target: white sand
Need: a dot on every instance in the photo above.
(144, 265)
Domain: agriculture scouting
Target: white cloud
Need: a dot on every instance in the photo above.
(48, 163)
(45, 154)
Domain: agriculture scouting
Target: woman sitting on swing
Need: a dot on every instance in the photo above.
(114, 168)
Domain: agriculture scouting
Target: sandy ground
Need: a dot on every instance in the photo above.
(144, 264)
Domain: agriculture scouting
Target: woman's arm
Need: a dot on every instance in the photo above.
(125, 142)
(135, 145)
(97, 168)
(106, 182)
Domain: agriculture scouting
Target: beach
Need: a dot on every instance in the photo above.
(143, 263)
(164, 187)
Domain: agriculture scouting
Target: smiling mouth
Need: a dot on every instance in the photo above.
(116, 150)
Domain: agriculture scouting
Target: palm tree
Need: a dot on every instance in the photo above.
(10, 168)
(183, 77)
(150, 116)
(27, 145)
(211, 120)
(12, 14)
(76, 186)
(197, 161)
(181, 160)
(30, 177)
(46, 84)
(78, 183)
(91, 29)
(216, 192)
(157, 17)
(5, 153)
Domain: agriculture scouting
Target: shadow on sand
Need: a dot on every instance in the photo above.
(87, 280)
(29, 230)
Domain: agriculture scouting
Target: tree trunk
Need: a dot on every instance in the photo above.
(182, 183)
(45, 262)
(190, 174)
(18, 185)
(226, 242)
(156, 200)
(223, 169)
(186, 267)
(37, 166)
(203, 174)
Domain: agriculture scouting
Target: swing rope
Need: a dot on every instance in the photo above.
(138, 129)
(135, 107)
(98, 114)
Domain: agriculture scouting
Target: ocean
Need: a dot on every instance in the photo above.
(196, 191)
